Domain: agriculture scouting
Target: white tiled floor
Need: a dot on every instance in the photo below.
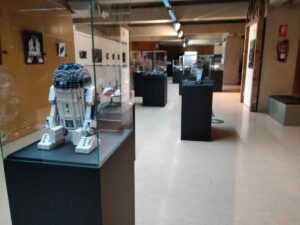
(249, 174)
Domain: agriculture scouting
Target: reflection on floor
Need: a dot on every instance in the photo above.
(249, 174)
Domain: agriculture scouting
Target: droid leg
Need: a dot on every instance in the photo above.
(52, 139)
(56, 133)
(86, 144)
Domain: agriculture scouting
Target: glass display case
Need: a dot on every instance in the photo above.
(61, 101)
(188, 60)
(154, 62)
(136, 61)
(216, 62)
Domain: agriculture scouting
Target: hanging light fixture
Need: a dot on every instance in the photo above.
(180, 34)
(176, 24)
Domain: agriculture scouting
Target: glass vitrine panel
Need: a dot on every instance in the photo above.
(53, 76)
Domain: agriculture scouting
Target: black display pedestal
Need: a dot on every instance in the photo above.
(184, 77)
(217, 77)
(155, 90)
(176, 76)
(196, 110)
(46, 193)
(138, 82)
(170, 69)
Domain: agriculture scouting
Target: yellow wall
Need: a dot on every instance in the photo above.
(24, 88)
(277, 78)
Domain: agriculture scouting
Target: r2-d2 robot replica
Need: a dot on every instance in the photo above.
(72, 98)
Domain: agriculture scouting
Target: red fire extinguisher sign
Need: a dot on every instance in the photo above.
(283, 30)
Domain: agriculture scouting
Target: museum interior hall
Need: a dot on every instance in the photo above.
(150, 112)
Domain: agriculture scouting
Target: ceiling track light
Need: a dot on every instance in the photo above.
(185, 41)
(177, 26)
(180, 34)
(167, 4)
(172, 15)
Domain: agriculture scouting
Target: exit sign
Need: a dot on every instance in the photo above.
(283, 30)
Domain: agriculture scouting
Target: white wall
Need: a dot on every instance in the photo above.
(277, 78)
(125, 68)
(107, 71)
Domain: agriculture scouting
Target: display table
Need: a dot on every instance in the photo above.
(61, 187)
(176, 76)
(137, 82)
(196, 111)
(186, 78)
(170, 69)
(217, 77)
(153, 89)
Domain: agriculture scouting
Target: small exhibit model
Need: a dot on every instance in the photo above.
(72, 98)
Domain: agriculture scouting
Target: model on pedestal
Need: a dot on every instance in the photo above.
(72, 98)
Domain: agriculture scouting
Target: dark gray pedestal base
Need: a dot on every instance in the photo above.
(217, 77)
(42, 193)
(196, 111)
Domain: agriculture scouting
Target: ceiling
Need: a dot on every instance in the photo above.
(203, 21)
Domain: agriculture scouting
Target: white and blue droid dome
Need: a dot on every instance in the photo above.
(71, 76)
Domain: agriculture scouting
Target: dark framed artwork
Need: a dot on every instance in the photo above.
(33, 47)
(251, 54)
(124, 57)
(97, 55)
(82, 54)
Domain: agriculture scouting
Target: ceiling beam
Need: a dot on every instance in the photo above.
(184, 14)
(166, 32)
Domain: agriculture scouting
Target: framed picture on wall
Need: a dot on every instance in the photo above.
(124, 58)
(97, 55)
(33, 47)
(251, 54)
(82, 54)
(61, 48)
